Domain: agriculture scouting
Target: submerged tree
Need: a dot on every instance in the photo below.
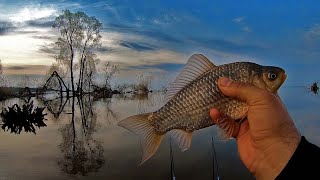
(143, 83)
(79, 36)
(1, 67)
(3, 80)
(109, 70)
(25, 117)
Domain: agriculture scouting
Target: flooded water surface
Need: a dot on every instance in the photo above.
(81, 140)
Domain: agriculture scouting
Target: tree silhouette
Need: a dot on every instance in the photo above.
(16, 118)
(79, 36)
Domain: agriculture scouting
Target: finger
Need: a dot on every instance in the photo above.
(214, 114)
(244, 127)
(239, 90)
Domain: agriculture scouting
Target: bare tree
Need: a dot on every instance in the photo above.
(121, 88)
(1, 71)
(4, 82)
(143, 83)
(88, 72)
(109, 70)
(90, 40)
(68, 24)
(79, 35)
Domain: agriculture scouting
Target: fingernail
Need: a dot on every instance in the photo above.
(225, 81)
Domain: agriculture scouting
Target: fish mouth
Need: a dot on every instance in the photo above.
(284, 77)
(277, 87)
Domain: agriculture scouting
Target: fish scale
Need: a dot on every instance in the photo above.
(192, 95)
(196, 100)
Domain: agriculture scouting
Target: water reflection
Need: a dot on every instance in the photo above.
(25, 117)
(82, 153)
(82, 139)
(110, 116)
(55, 106)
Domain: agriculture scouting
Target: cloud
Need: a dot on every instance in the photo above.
(168, 18)
(26, 69)
(25, 32)
(108, 8)
(246, 29)
(20, 21)
(169, 67)
(131, 58)
(45, 37)
(239, 19)
(103, 49)
(136, 46)
(16, 68)
(313, 32)
(49, 49)
(5, 27)
(228, 46)
(148, 33)
(69, 5)
(44, 22)
(32, 13)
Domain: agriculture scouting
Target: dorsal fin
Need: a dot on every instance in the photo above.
(196, 65)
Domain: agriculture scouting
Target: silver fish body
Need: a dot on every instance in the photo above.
(190, 98)
(189, 109)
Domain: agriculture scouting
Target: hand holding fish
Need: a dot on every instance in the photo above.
(268, 137)
(194, 92)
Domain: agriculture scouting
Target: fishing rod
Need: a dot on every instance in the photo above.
(173, 173)
(214, 162)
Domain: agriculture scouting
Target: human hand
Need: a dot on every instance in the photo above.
(268, 138)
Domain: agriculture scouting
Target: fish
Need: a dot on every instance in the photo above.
(190, 97)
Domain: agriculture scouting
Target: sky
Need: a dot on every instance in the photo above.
(158, 36)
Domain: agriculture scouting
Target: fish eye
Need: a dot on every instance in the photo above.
(272, 76)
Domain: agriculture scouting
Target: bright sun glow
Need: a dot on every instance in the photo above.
(22, 49)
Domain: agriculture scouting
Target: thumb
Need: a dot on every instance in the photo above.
(239, 90)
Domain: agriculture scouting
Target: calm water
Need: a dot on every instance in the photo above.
(91, 146)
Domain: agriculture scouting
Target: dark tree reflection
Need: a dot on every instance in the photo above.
(26, 117)
(110, 116)
(55, 106)
(82, 153)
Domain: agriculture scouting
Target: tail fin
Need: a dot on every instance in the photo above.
(149, 138)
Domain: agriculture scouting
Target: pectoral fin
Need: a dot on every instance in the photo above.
(228, 126)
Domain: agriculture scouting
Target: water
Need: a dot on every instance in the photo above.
(91, 145)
